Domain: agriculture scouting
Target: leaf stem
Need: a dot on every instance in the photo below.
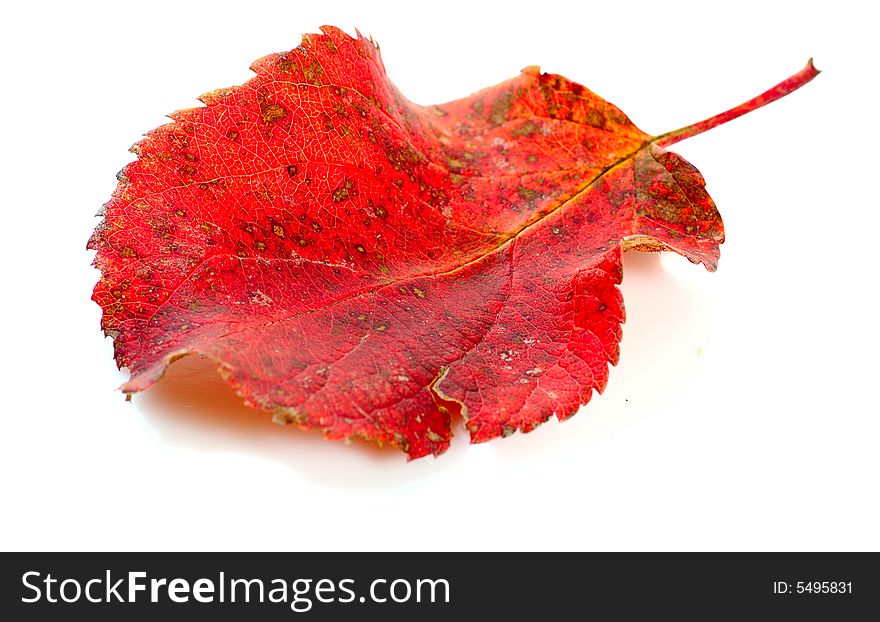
(782, 89)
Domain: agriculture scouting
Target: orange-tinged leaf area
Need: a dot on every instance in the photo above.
(367, 267)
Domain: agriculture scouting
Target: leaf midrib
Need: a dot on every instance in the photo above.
(503, 243)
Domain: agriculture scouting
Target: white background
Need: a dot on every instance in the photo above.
(743, 414)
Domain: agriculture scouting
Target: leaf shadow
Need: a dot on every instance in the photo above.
(192, 407)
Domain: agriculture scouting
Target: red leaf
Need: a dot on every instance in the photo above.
(368, 267)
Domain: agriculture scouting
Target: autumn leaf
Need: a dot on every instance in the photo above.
(367, 267)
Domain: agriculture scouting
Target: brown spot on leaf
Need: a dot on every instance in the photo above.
(344, 191)
(455, 164)
(272, 112)
(285, 63)
(527, 194)
(526, 129)
(501, 108)
(596, 119)
(312, 74)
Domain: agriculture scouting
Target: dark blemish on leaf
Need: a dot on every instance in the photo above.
(292, 170)
(232, 135)
(454, 164)
(260, 246)
(278, 230)
(360, 248)
(419, 293)
(433, 436)
(303, 242)
(603, 307)
(283, 63)
(527, 194)
(272, 112)
(381, 328)
(344, 191)
(403, 156)
(526, 129)
(317, 226)
(187, 169)
(532, 158)
(312, 74)
(330, 45)
(180, 213)
(596, 119)
(569, 296)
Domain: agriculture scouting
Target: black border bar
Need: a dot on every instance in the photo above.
(516, 586)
